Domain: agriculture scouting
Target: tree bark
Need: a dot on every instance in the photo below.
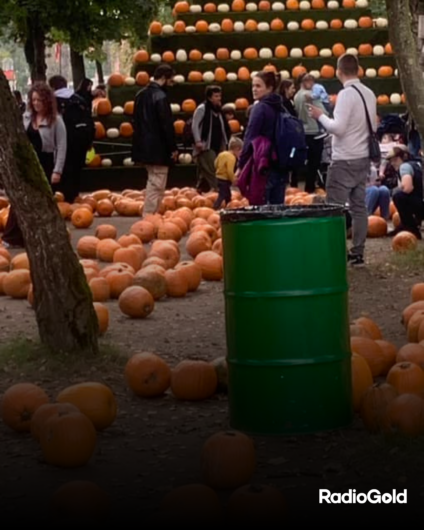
(78, 67)
(63, 304)
(100, 75)
(35, 49)
(405, 49)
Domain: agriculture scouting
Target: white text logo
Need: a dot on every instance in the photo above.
(373, 497)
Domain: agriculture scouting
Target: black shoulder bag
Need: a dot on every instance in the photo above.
(374, 145)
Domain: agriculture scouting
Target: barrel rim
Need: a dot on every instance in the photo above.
(278, 211)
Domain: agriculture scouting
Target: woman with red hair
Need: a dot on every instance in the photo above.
(47, 133)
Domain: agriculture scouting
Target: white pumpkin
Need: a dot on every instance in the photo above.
(112, 133)
(352, 51)
(332, 4)
(208, 77)
(238, 26)
(325, 52)
(315, 73)
(231, 76)
(195, 8)
(350, 23)
(214, 27)
(106, 162)
(263, 26)
(167, 29)
(181, 56)
(296, 53)
(118, 110)
(230, 106)
(396, 72)
(128, 162)
(395, 99)
(370, 72)
(156, 57)
(378, 50)
(381, 22)
(185, 158)
(175, 108)
(278, 6)
(251, 7)
(209, 56)
(179, 79)
(253, 74)
(361, 3)
(304, 5)
(265, 53)
(190, 29)
(223, 8)
(293, 26)
(321, 24)
(236, 55)
(285, 74)
(130, 81)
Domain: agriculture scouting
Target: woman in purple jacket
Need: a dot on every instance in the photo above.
(262, 120)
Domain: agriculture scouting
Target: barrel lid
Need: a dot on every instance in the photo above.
(278, 211)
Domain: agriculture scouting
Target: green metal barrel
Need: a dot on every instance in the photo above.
(287, 319)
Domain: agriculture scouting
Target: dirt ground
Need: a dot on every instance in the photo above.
(154, 445)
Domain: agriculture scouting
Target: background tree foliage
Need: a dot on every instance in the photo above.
(84, 24)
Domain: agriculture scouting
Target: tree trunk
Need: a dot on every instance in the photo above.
(407, 57)
(100, 74)
(35, 49)
(63, 303)
(78, 67)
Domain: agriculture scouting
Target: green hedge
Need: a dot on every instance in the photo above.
(210, 42)
(286, 16)
(311, 63)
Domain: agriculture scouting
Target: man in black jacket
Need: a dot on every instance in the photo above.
(154, 143)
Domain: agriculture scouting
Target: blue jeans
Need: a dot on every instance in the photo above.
(275, 190)
(378, 196)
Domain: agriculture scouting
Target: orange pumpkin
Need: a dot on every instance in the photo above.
(327, 71)
(365, 22)
(277, 24)
(46, 411)
(406, 378)
(220, 75)
(336, 24)
(180, 26)
(349, 4)
(202, 26)
(250, 53)
(404, 242)
(193, 380)
(182, 7)
(388, 49)
(264, 5)
(338, 49)
(142, 78)
(243, 74)
(372, 328)
(116, 80)
(238, 5)
(251, 25)
(142, 56)
(68, 440)
(383, 99)
(361, 379)
(222, 54)
(307, 24)
(292, 4)
(19, 404)
(281, 51)
(136, 302)
(385, 71)
(126, 129)
(209, 8)
(227, 25)
(243, 104)
(179, 126)
(365, 49)
(147, 374)
(102, 107)
(311, 51)
(318, 4)
(195, 55)
(370, 351)
(155, 28)
(228, 460)
(406, 415)
(95, 400)
(211, 264)
(100, 130)
(374, 406)
(168, 57)
(298, 70)
(189, 105)
(192, 272)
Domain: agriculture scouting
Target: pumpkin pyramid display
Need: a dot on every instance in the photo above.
(225, 41)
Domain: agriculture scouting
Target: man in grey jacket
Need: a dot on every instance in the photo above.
(211, 135)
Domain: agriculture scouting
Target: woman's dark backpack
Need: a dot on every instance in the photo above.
(187, 137)
(79, 123)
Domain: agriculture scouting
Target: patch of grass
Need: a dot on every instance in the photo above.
(411, 261)
(26, 355)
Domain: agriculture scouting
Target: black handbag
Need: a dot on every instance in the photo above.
(374, 144)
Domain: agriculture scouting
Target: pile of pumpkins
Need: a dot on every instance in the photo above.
(388, 382)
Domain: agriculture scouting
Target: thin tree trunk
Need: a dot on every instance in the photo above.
(62, 299)
(100, 75)
(35, 49)
(78, 67)
(405, 49)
